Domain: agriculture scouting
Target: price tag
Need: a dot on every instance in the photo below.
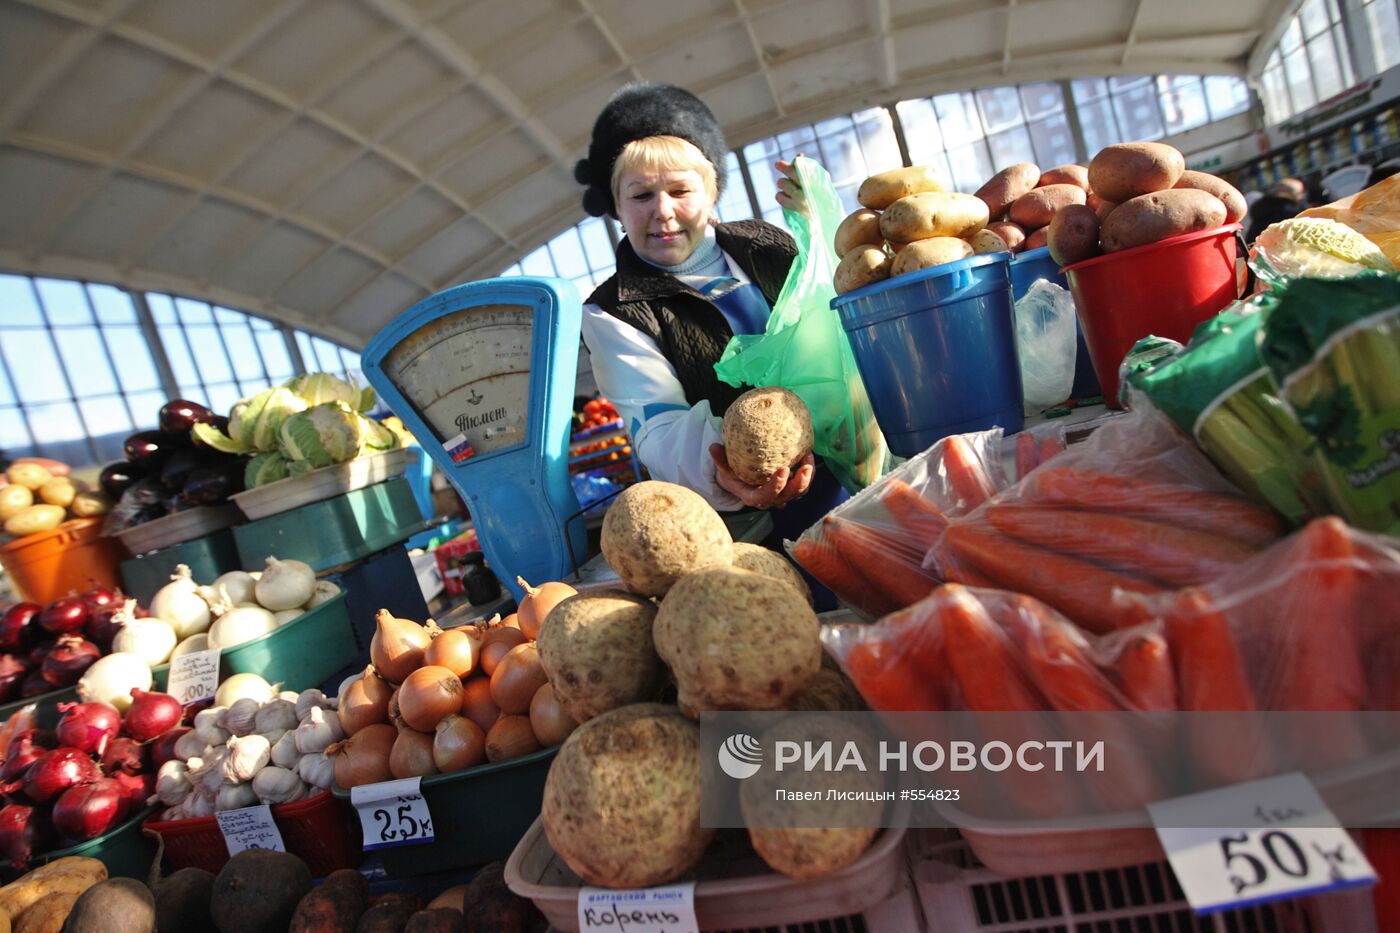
(669, 909)
(393, 813)
(1283, 843)
(250, 828)
(194, 677)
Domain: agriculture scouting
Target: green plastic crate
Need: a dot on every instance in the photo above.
(300, 654)
(478, 815)
(48, 702)
(126, 851)
(334, 532)
(207, 557)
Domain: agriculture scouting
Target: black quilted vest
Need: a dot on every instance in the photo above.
(690, 331)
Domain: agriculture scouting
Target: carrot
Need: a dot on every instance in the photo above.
(1150, 549)
(1049, 447)
(968, 480)
(1078, 588)
(1211, 512)
(820, 559)
(889, 679)
(886, 563)
(1145, 674)
(1027, 454)
(915, 512)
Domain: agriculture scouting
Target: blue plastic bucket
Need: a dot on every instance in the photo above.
(937, 351)
(1037, 264)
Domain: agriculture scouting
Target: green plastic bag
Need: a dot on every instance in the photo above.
(805, 350)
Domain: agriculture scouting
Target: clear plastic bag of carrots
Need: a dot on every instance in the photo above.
(869, 550)
(1135, 508)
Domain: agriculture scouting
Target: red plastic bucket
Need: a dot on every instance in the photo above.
(1164, 288)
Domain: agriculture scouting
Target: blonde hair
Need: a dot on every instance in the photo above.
(661, 154)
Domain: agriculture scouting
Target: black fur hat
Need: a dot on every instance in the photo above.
(639, 110)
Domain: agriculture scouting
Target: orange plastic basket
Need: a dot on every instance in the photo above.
(322, 830)
(53, 564)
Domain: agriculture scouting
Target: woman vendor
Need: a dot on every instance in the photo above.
(685, 284)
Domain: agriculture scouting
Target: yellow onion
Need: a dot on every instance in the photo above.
(510, 737)
(364, 702)
(412, 755)
(516, 678)
(496, 645)
(548, 719)
(537, 603)
(397, 647)
(455, 650)
(427, 695)
(477, 704)
(458, 743)
(364, 757)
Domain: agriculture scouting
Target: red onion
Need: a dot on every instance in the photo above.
(23, 829)
(136, 789)
(15, 633)
(34, 685)
(57, 771)
(163, 748)
(11, 674)
(65, 616)
(67, 659)
(124, 754)
(103, 627)
(88, 727)
(100, 597)
(88, 810)
(152, 714)
(25, 749)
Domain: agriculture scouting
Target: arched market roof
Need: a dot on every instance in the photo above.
(329, 162)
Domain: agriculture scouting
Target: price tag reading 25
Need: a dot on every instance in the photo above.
(393, 813)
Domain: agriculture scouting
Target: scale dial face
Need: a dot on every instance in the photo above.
(468, 374)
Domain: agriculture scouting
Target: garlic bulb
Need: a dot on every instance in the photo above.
(206, 726)
(200, 804)
(172, 785)
(320, 730)
(279, 714)
(278, 785)
(242, 717)
(284, 752)
(309, 699)
(211, 776)
(289, 695)
(247, 755)
(235, 797)
(317, 770)
(189, 745)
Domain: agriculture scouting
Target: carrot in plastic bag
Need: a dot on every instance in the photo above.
(821, 560)
(1145, 673)
(915, 512)
(1027, 453)
(1049, 447)
(1078, 588)
(888, 677)
(886, 562)
(965, 474)
(1150, 549)
(1201, 510)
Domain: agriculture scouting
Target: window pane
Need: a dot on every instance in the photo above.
(83, 354)
(1041, 99)
(225, 316)
(106, 415)
(1183, 103)
(1300, 89)
(327, 356)
(1000, 106)
(1313, 17)
(17, 305)
(1384, 26)
(842, 157)
(1010, 147)
(537, 263)
(568, 254)
(243, 351)
(132, 358)
(194, 392)
(113, 305)
(1227, 95)
(178, 352)
(308, 355)
(14, 436)
(876, 131)
(223, 397)
(1327, 73)
(193, 312)
(957, 118)
(7, 394)
(209, 354)
(733, 205)
(274, 355)
(1138, 116)
(145, 407)
(63, 302)
(1088, 89)
(162, 308)
(971, 166)
(765, 188)
(828, 127)
(33, 365)
(599, 249)
(848, 197)
(1276, 105)
(920, 130)
(793, 141)
(1054, 144)
(1099, 125)
(1292, 37)
(1127, 82)
(56, 422)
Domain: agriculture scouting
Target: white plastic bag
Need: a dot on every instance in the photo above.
(1045, 342)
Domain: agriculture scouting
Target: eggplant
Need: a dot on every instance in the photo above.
(116, 478)
(179, 415)
(212, 485)
(150, 449)
(184, 461)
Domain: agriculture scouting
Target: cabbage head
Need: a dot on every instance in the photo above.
(318, 388)
(253, 422)
(1311, 247)
(378, 437)
(265, 468)
(321, 435)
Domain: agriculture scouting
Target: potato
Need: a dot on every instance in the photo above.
(388, 915)
(70, 875)
(439, 920)
(1128, 170)
(921, 216)
(830, 691)
(1036, 239)
(489, 906)
(1007, 185)
(1071, 174)
(14, 499)
(596, 648)
(334, 906)
(90, 502)
(1099, 206)
(759, 559)
(1229, 195)
(34, 519)
(881, 190)
(31, 475)
(117, 905)
(182, 900)
(861, 228)
(765, 430)
(654, 533)
(925, 254)
(59, 491)
(987, 241)
(862, 266)
(1073, 234)
(46, 915)
(258, 890)
(1012, 234)
(1161, 214)
(1037, 207)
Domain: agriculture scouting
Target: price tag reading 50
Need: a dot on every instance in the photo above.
(393, 813)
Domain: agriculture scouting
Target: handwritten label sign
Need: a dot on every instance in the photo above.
(668, 909)
(250, 828)
(393, 813)
(194, 677)
(1285, 843)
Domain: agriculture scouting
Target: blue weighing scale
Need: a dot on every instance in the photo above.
(483, 375)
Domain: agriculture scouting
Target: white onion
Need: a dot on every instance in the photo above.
(199, 642)
(239, 625)
(111, 680)
(240, 686)
(237, 586)
(325, 591)
(151, 639)
(285, 584)
(179, 604)
(283, 616)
